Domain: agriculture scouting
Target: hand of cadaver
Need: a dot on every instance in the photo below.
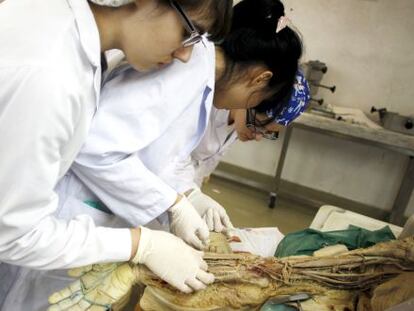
(98, 288)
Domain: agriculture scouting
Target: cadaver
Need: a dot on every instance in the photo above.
(245, 281)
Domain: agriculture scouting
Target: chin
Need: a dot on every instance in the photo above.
(220, 105)
(143, 67)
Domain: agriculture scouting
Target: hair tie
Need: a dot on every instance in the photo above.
(282, 23)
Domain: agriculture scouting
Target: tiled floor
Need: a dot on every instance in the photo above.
(248, 207)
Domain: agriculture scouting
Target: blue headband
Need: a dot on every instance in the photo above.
(297, 104)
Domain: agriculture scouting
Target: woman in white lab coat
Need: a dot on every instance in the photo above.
(128, 161)
(50, 72)
(228, 126)
(224, 129)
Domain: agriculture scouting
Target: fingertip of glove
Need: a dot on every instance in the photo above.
(185, 289)
(212, 278)
(196, 245)
(206, 278)
(228, 224)
(203, 265)
(204, 234)
(198, 253)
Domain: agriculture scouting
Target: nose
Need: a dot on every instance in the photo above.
(183, 54)
(273, 127)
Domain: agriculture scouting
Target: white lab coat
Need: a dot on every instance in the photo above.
(151, 118)
(53, 45)
(218, 138)
(146, 123)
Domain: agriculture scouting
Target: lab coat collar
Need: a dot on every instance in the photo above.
(88, 30)
(204, 40)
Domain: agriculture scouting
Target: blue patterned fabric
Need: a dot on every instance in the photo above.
(297, 104)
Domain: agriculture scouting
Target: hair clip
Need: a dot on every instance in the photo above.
(282, 23)
(113, 3)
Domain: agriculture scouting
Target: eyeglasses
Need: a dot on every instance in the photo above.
(258, 126)
(195, 36)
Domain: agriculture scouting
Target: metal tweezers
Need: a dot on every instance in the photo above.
(297, 298)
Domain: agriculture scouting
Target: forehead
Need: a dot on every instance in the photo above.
(196, 16)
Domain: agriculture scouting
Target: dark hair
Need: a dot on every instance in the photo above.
(219, 13)
(253, 40)
(223, 11)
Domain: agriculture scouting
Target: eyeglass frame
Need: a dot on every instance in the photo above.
(252, 125)
(195, 36)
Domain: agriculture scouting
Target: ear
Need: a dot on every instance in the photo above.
(262, 78)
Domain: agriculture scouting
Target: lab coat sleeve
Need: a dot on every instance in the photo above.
(134, 111)
(35, 126)
(126, 186)
(183, 176)
(206, 168)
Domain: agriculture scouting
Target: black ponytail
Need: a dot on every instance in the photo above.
(253, 40)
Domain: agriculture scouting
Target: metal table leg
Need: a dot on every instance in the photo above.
(404, 195)
(281, 163)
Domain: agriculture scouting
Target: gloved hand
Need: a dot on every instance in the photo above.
(212, 212)
(173, 261)
(102, 285)
(186, 223)
(99, 287)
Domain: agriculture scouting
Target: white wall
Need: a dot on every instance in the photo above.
(368, 46)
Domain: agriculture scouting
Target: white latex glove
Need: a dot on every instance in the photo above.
(173, 261)
(212, 212)
(186, 223)
(98, 288)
